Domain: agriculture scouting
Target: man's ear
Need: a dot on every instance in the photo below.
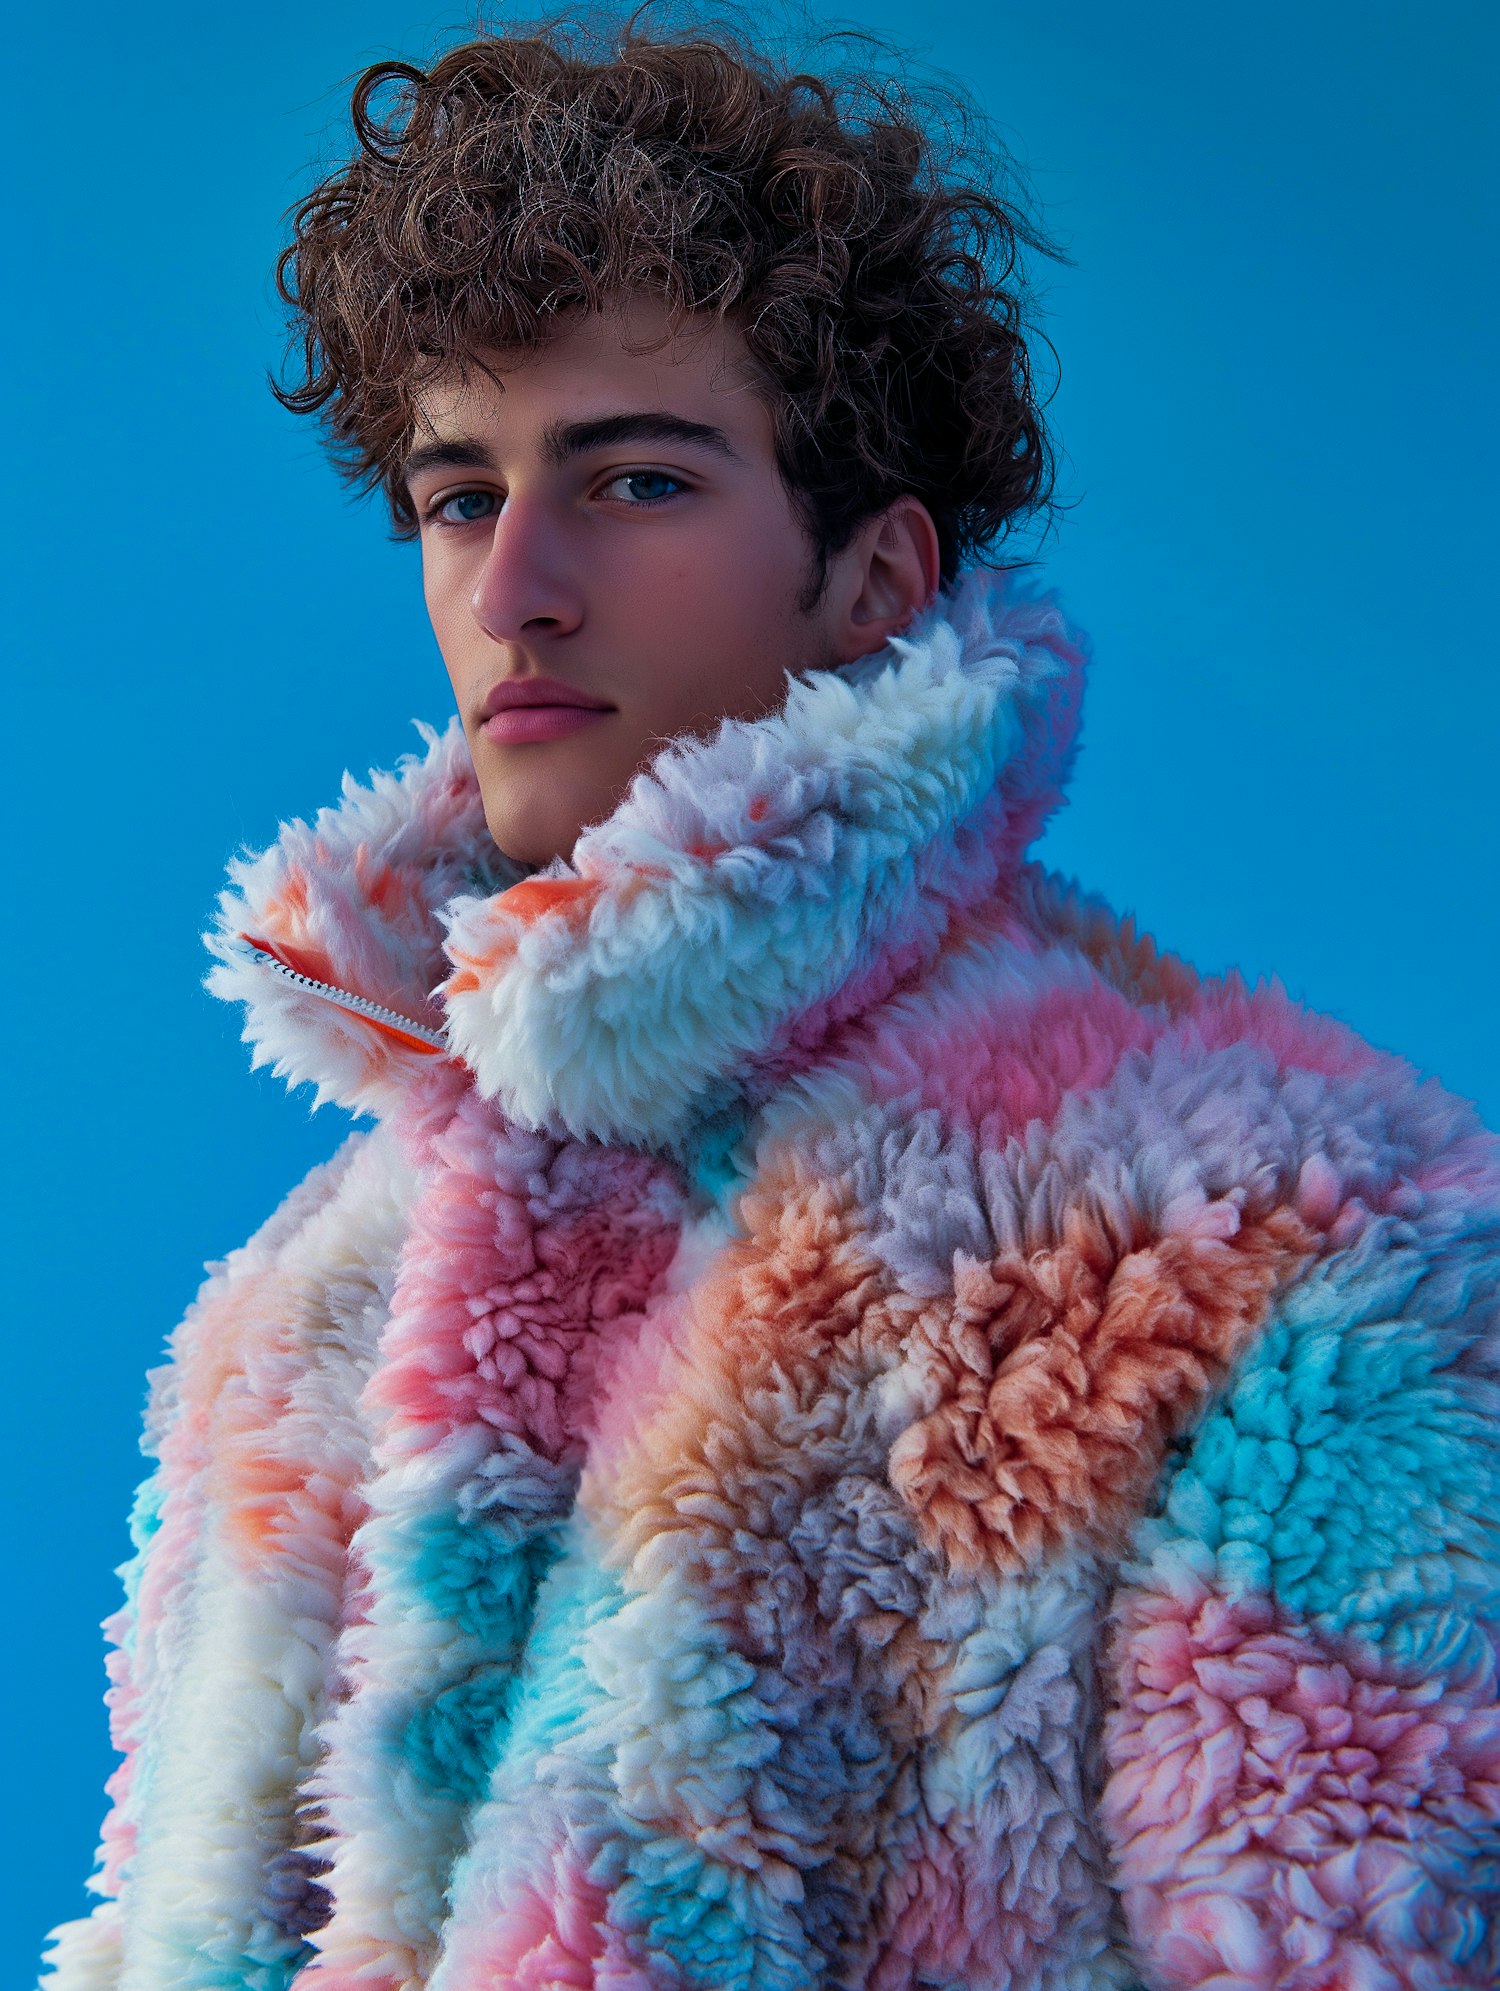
(888, 573)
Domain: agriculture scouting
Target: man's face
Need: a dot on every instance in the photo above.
(613, 522)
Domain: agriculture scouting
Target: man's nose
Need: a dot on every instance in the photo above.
(526, 585)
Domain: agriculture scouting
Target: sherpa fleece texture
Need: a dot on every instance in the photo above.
(851, 1423)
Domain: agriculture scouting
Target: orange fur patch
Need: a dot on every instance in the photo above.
(1064, 1374)
(533, 898)
(792, 1305)
(277, 1500)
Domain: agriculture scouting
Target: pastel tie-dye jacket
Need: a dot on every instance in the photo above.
(851, 1423)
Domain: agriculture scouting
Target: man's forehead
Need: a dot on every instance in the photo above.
(594, 363)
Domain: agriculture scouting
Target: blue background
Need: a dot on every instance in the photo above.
(1277, 409)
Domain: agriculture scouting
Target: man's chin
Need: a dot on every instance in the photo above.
(535, 838)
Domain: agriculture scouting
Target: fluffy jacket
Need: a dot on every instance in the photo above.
(851, 1423)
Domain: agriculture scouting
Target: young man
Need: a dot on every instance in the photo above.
(851, 1423)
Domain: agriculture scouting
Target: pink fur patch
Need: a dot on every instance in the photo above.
(1287, 1818)
(522, 1253)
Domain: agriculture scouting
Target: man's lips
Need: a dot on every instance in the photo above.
(540, 722)
(537, 708)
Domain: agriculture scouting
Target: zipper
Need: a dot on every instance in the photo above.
(417, 1036)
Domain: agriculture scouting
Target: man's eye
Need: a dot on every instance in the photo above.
(465, 507)
(643, 487)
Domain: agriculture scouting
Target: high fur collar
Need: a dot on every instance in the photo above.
(747, 892)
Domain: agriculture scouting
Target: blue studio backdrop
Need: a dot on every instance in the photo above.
(1276, 404)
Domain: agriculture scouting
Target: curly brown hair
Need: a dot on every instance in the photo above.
(865, 251)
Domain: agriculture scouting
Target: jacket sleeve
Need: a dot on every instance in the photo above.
(1303, 1753)
(167, 1523)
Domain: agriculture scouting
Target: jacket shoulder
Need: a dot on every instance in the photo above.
(281, 1237)
(1217, 1020)
(338, 1218)
(303, 1201)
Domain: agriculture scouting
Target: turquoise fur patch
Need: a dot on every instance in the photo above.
(556, 1695)
(701, 1916)
(1354, 1469)
(478, 1575)
(482, 1579)
(711, 1159)
(451, 1742)
(145, 1523)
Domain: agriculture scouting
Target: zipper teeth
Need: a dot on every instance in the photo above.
(345, 999)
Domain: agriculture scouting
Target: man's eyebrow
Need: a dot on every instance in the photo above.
(455, 453)
(560, 440)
